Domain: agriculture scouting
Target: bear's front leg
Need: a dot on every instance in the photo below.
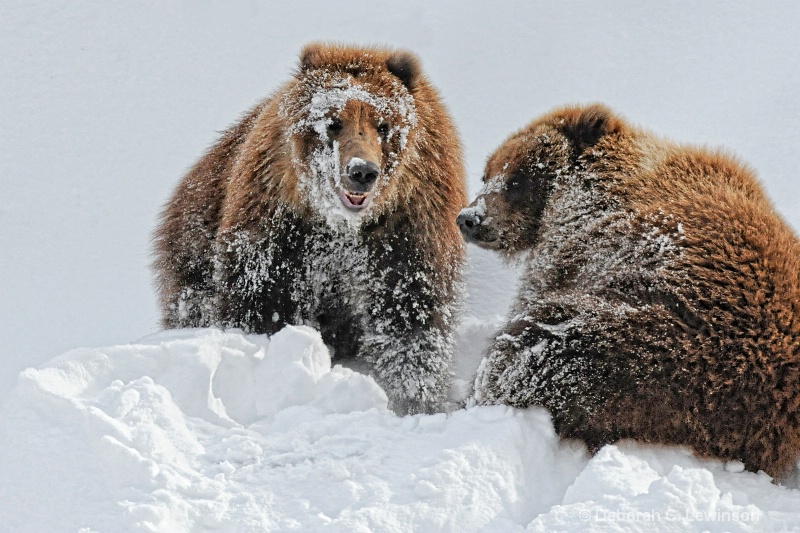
(408, 320)
(413, 368)
(547, 363)
(583, 362)
(257, 279)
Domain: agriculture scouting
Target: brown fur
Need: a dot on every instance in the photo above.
(662, 296)
(258, 234)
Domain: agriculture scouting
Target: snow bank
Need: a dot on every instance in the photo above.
(204, 430)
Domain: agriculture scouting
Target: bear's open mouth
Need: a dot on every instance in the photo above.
(355, 200)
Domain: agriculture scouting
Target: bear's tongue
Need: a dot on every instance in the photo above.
(354, 199)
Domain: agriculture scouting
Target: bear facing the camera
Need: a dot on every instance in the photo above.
(330, 204)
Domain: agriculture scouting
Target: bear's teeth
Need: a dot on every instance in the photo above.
(355, 198)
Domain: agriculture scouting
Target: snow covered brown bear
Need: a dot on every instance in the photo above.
(330, 204)
(661, 297)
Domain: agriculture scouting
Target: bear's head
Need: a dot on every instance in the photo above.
(521, 174)
(351, 116)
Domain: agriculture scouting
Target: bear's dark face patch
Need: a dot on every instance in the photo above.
(348, 130)
(518, 180)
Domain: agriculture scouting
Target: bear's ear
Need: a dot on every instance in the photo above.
(586, 126)
(311, 56)
(405, 66)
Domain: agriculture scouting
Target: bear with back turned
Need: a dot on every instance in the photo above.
(330, 204)
(661, 296)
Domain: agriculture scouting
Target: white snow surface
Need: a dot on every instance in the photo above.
(106, 105)
(204, 430)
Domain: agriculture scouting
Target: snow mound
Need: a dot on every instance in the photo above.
(204, 430)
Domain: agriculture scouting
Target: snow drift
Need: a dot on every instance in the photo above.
(201, 430)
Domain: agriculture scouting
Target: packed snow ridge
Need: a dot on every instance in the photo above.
(205, 430)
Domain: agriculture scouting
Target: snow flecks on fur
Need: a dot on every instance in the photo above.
(478, 210)
(329, 93)
(284, 241)
(323, 184)
(391, 312)
(627, 327)
(493, 185)
(586, 236)
(193, 304)
(312, 106)
(580, 217)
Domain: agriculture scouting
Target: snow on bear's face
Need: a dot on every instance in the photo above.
(348, 132)
(546, 160)
(518, 180)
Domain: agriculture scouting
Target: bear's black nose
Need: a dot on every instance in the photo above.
(363, 172)
(468, 221)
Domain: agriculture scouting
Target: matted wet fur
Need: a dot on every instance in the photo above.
(661, 296)
(331, 204)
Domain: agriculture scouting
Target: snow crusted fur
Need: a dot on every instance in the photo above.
(330, 204)
(661, 296)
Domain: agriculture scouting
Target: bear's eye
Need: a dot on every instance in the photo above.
(513, 183)
(335, 126)
(383, 129)
(517, 188)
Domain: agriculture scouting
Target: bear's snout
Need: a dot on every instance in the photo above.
(363, 174)
(359, 178)
(468, 221)
(477, 226)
